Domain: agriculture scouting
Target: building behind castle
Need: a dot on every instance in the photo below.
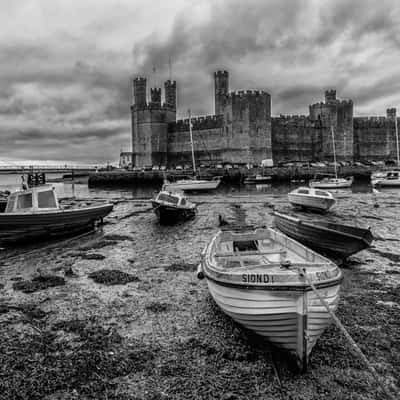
(243, 131)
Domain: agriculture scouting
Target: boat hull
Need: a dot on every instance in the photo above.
(386, 182)
(16, 227)
(167, 214)
(251, 181)
(311, 202)
(332, 239)
(336, 185)
(191, 186)
(289, 319)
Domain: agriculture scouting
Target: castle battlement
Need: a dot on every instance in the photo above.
(198, 123)
(247, 93)
(292, 117)
(371, 122)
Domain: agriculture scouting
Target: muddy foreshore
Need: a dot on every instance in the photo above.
(149, 329)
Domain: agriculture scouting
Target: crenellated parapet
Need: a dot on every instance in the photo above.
(198, 123)
(370, 122)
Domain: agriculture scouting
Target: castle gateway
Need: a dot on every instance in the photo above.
(243, 131)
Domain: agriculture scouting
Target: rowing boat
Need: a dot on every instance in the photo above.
(331, 238)
(311, 199)
(263, 280)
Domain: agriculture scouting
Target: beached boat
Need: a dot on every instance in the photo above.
(3, 200)
(262, 279)
(333, 239)
(255, 179)
(35, 212)
(388, 179)
(171, 207)
(312, 199)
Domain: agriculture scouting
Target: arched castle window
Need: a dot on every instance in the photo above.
(227, 129)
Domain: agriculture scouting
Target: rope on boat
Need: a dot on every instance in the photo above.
(353, 344)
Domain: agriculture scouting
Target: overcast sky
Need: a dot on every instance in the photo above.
(66, 65)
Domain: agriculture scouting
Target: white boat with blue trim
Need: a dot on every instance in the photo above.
(262, 279)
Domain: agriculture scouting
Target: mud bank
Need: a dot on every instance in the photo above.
(149, 329)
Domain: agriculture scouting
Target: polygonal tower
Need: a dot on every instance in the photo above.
(149, 126)
(170, 94)
(221, 87)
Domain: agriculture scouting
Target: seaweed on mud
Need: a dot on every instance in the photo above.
(112, 277)
(41, 282)
(98, 244)
(118, 237)
(181, 266)
(43, 364)
(92, 256)
(157, 307)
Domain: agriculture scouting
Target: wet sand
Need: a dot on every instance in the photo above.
(158, 335)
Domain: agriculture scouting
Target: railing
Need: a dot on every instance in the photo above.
(64, 167)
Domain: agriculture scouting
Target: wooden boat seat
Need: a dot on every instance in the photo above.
(279, 250)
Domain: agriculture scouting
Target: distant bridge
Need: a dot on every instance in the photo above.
(64, 168)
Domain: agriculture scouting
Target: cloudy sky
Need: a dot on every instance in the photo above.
(66, 65)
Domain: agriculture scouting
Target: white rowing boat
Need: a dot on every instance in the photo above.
(261, 278)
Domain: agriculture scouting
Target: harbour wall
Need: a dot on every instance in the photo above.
(234, 175)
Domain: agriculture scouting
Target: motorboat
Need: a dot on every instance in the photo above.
(327, 182)
(326, 237)
(35, 212)
(271, 285)
(191, 185)
(388, 179)
(171, 207)
(255, 179)
(312, 199)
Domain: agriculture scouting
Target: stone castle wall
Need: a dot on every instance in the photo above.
(242, 130)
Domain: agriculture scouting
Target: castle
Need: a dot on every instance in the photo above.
(243, 131)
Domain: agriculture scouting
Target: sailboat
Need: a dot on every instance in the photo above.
(192, 184)
(390, 178)
(328, 182)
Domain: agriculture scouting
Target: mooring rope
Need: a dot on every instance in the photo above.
(353, 344)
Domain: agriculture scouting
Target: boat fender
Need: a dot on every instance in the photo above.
(286, 264)
(200, 273)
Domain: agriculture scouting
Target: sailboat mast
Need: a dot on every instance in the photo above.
(334, 151)
(191, 142)
(397, 141)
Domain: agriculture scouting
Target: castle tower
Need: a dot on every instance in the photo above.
(391, 113)
(155, 96)
(170, 94)
(221, 87)
(330, 96)
(149, 126)
(139, 91)
(337, 115)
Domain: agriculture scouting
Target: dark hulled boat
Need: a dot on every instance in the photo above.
(327, 237)
(172, 207)
(35, 213)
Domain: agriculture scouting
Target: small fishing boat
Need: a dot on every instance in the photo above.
(327, 182)
(330, 238)
(171, 207)
(255, 179)
(388, 179)
(312, 199)
(35, 212)
(270, 284)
